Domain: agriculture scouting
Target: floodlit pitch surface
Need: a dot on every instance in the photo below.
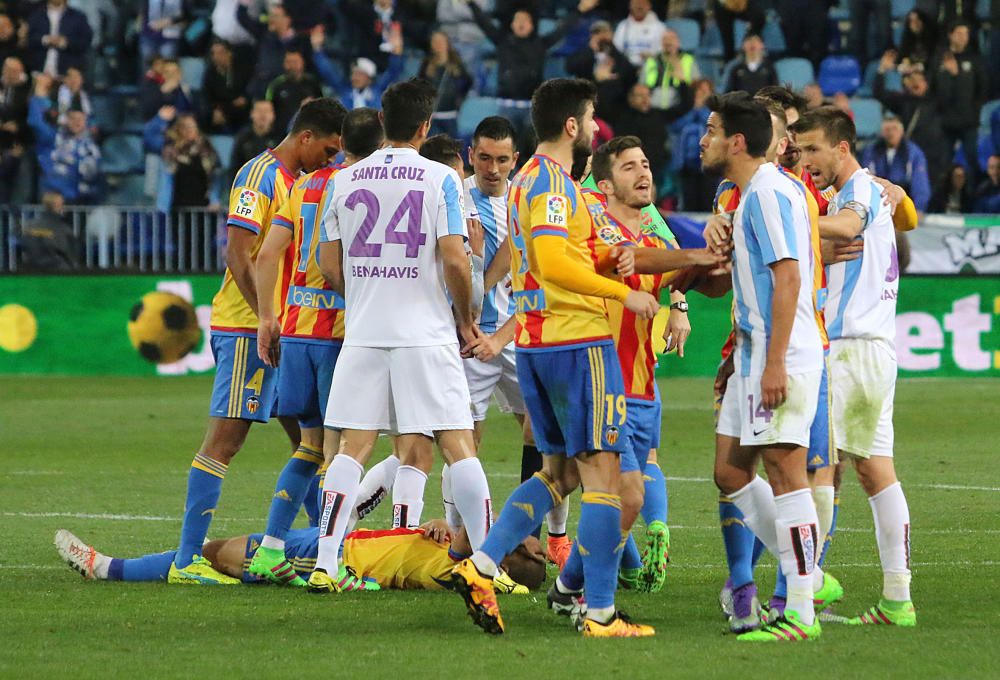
(108, 459)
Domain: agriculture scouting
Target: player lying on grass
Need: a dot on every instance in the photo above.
(406, 559)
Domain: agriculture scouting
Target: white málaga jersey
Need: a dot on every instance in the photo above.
(862, 293)
(491, 211)
(388, 211)
(772, 224)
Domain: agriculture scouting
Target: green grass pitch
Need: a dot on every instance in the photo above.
(108, 458)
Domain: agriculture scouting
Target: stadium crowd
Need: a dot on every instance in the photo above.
(92, 93)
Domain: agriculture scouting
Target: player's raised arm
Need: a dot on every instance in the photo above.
(271, 251)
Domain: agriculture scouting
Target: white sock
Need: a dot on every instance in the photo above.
(756, 502)
(798, 542)
(823, 497)
(483, 562)
(408, 497)
(448, 497)
(340, 492)
(374, 488)
(272, 543)
(892, 531)
(555, 519)
(101, 565)
(472, 499)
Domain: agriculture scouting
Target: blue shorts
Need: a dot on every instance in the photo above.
(575, 398)
(301, 548)
(245, 387)
(643, 428)
(821, 451)
(304, 379)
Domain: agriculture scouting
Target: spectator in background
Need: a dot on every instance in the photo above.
(164, 86)
(918, 111)
(226, 26)
(47, 242)
(726, 14)
(895, 158)
(9, 41)
(162, 24)
(697, 187)
(443, 67)
(919, 41)
(273, 38)
(804, 24)
(649, 125)
(521, 54)
(306, 14)
(640, 34)
(600, 61)
(987, 199)
(454, 17)
(961, 86)
(670, 73)
(365, 87)
(15, 91)
(753, 70)
(291, 89)
(190, 164)
(378, 25)
(72, 97)
(260, 134)
(953, 195)
(869, 18)
(69, 159)
(813, 94)
(223, 88)
(10, 164)
(58, 38)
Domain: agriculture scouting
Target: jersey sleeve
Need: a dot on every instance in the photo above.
(451, 208)
(248, 205)
(329, 230)
(850, 199)
(770, 218)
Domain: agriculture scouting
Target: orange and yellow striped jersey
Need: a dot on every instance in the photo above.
(312, 310)
(633, 335)
(544, 201)
(260, 188)
(400, 558)
(727, 199)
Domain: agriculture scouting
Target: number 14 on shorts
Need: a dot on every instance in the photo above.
(758, 413)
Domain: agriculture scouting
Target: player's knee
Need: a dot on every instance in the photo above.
(632, 498)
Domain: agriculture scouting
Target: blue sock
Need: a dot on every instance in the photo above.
(148, 568)
(758, 550)
(572, 572)
(600, 542)
(524, 510)
(780, 584)
(833, 528)
(290, 491)
(204, 489)
(531, 462)
(631, 559)
(655, 504)
(311, 503)
(738, 541)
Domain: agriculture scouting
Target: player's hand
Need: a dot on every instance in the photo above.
(725, 370)
(773, 386)
(468, 334)
(436, 530)
(477, 237)
(710, 257)
(485, 348)
(834, 251)
(624, 259)
(892, 195)
(586, 5)
(269, 342)
(642, 304)
(677, 331)
(718, 233)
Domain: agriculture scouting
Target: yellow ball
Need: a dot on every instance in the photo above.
(18, 328)
(163, 327)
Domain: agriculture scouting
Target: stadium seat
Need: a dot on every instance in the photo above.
(107, 111)
(122, 154)
(893, 80)
(711, 41)
(795, 72)
(688, 31)
(710, 68)
(473, 110)
(128, 190)
(867, 116)
(486, 79)
(411, 66)
(985, 113)
(901, 7)
(193, 70)
(774, 39)
(984, 149)
(739, 31)
(983, 9)
(555, 68)
(223, 145)
(839, 74)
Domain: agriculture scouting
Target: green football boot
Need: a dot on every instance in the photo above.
(830, 593)
(887, 613)
(655, 558)
(270, 564)
(787, 628)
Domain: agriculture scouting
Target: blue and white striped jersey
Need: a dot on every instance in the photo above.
(491, 211)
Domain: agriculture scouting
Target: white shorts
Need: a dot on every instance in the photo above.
(496, 377)
(863, 384)
(408, 390)
(741, 415)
